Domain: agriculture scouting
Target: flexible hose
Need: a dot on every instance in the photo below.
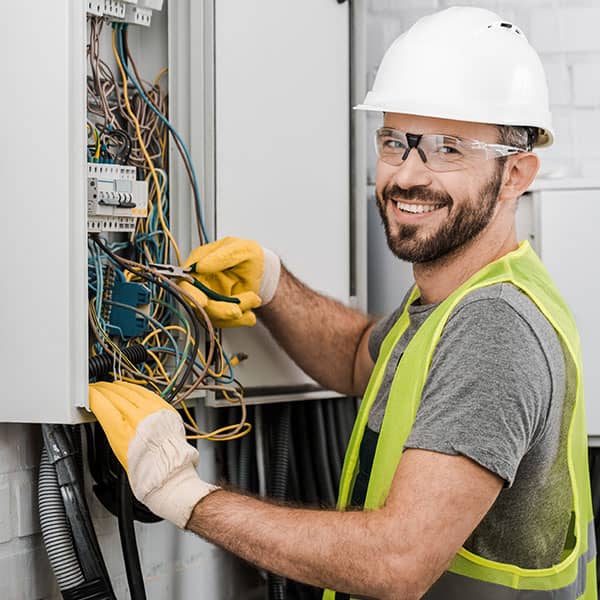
(319, 443)
(55, 528)
(102, 364)
(333, 444)
(308, 486)
(346, 415)
(245, 462)
(131, 555)
(294, 482)
(278, 481)
(233, 462)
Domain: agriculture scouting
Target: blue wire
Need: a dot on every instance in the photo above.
(171, 129)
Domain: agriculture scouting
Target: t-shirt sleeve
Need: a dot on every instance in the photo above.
(488, 390)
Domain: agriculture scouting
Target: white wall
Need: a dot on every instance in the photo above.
(564, 32)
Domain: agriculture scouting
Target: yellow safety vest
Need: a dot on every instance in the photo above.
(472, 577)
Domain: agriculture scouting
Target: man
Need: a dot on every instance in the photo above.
(469, 451)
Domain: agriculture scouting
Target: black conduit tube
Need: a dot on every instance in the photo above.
(346, 417)
(102, 364)
(308, 486)
(331, 426)
(55, 528)
(278, 483)
(246, 452)
(131, 556)
(319, 445)
(293, 481)
(233, 458)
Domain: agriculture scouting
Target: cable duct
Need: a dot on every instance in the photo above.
(55, 528)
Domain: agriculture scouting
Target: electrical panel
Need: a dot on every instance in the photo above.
(263, 171)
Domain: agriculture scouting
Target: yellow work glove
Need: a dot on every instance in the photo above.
(236, 268)
(147, 436)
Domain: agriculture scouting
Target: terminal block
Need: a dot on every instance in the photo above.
(126, 305)
(115, 197)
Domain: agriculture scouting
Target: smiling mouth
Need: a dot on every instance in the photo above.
(415, 209)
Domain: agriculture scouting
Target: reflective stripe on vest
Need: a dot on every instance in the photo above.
(452, 585)
(471, 576)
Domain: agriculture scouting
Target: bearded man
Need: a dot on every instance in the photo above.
(466, 475)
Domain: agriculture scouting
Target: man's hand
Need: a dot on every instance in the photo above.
(235, 268)
(147, 436)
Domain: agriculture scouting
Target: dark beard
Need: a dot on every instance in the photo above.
(463, 224)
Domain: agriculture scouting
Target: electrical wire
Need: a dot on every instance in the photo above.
(137, 82)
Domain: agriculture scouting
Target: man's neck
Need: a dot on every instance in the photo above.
(438, 279)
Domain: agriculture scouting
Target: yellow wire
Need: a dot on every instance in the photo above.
(212, 435)
(188, 414)
(97, 138)
(162, 72)
(160, 366)
(143, 147)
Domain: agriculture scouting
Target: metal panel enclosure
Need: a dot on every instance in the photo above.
(282, 101)
(43, 319)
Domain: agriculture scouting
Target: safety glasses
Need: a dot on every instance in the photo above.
(439, 152)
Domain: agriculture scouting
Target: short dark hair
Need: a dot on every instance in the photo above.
(517, 136)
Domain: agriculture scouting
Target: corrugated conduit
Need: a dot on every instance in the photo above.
(55, 528)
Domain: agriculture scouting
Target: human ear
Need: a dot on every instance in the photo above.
(519, 172)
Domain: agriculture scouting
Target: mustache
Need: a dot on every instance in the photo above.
(421, 193)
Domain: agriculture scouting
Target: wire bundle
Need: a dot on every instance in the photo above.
(127, 124)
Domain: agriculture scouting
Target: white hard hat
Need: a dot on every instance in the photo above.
(467, 64)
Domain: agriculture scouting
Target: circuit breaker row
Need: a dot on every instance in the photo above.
(138, 12)
(115, 197)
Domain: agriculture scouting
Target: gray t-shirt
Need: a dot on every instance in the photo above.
(495, 393)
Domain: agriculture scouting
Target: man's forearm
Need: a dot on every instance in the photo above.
(320, 334)
(346, 551)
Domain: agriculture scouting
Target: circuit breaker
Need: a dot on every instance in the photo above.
(265, 116)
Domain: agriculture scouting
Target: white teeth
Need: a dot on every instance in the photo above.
(417, 208)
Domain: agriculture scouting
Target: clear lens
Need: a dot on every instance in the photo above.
(439, 152)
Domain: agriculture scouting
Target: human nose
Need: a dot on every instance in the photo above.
(412, 171)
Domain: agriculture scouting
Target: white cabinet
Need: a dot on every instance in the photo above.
(563, 218)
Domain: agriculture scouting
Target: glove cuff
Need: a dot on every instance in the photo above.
(270, 278)
(176, 500)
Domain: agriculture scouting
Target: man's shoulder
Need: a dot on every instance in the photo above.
(505, 305)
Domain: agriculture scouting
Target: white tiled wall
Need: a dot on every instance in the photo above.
(564, 32)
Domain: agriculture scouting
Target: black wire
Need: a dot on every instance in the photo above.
(129, 547)
(189, 370)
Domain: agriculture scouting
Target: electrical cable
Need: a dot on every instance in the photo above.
(319, 447)
(278, 477)
(232, 463)
(55, 529)
(246, 447)
(131, 555)
(260, 451)
(173, 131)
(146, 273)
(333, 444)
(304, 455)
(60, 453)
